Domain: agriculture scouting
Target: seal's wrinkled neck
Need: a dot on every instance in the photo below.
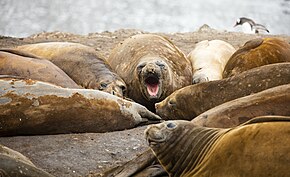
(187, 150)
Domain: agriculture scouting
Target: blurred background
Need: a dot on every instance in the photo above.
(21, 18)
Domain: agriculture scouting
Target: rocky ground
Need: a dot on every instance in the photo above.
(91, 153)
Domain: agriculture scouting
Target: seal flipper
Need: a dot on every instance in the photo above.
(269, 118)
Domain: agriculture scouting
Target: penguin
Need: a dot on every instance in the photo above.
(249, 26)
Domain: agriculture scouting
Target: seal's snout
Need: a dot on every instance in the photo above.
(151, 68)
(152, 80)
(157, 105)
(150, 134)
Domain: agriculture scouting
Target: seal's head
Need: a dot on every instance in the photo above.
(165, 134)
(113, 85)
(179, 144)
(169, 141)
(153, 75)
(175, 106)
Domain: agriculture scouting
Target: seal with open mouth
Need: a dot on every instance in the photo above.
(151, 73)
(152, 67)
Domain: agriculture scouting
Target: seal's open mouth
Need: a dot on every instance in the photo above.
(152, 84)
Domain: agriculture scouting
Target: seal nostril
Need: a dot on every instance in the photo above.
(124, 89)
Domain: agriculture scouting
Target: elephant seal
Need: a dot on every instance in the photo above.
(28, 66)
(260, 147)
(208, 60)
(190, 101)
(82, 63)
(151, 66)
(273, 101)
(13, 163)
(30, 107)
(255, 53)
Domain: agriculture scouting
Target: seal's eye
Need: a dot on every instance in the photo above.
(140, 66)
(103, 86)
(161, 65)
(171, 103)
(171, 125)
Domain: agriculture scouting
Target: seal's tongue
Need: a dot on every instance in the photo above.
(152, 86)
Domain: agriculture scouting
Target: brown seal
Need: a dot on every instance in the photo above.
(273, 101)
(255, 53)
(30, 107)
(29, 66)
(193, 100)
(152, 67)
(82, 63)
(13, 163)
(259, 147)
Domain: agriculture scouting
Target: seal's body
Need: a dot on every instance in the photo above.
(27, 66)
(208, 60)
(82, 63)
(257, 148)
(255, 53)
(190, 101)
(30, 107)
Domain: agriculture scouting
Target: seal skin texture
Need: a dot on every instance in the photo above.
(257, 148)
(30, 67)
(190, 101)
(30, 107)
(208, 60)
(152, 67)
(255, 53)
(272, 101)
(82, 63)
(13, 163)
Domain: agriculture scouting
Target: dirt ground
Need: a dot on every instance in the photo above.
(91, 153)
